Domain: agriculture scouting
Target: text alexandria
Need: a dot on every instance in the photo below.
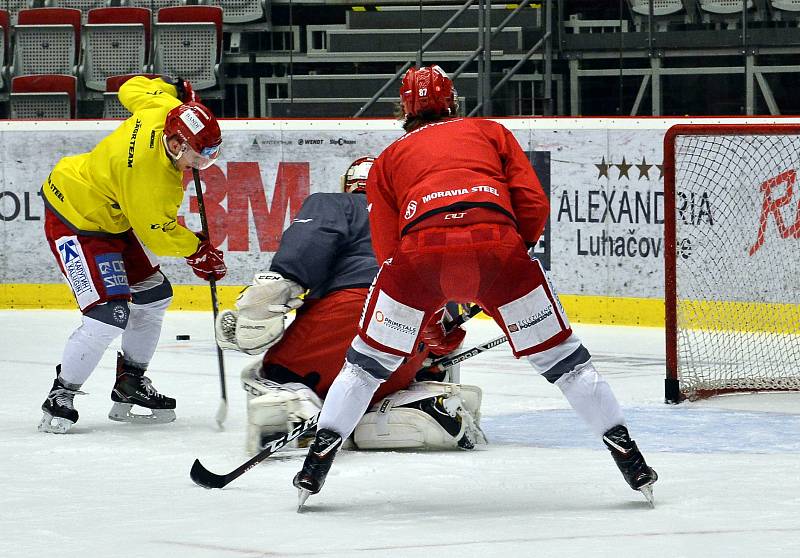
(599, 206)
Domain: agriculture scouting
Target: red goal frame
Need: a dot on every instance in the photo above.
(672, 391)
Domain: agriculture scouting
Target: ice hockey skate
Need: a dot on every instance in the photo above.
(630, 461)
(134, 388)
(59, 412)
(318, 462)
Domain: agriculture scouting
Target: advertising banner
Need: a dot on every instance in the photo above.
(604, 179)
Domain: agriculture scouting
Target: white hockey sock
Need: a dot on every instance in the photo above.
(144, 328)
(84, 349)
(545, 360)
(592, 398)
(348, 399)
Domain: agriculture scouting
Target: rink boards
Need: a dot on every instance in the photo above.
(603, 244)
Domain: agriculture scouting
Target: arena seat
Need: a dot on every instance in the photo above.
(112, 108)
(46, 41)
(116, 41)
(45, 96)
(188, 43)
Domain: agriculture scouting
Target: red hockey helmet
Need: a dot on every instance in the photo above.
(198, 131)
(426, 90)
(355, 179)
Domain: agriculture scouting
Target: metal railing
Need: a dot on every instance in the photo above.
(483, 53)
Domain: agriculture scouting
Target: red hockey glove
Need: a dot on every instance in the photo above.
(207, 261)
(185, 92)
(437, 339)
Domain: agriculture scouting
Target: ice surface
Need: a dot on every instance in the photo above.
(545, 486)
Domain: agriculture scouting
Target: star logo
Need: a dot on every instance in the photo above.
(660, 171)
(602, 169)
(623, 167)
(644, 169)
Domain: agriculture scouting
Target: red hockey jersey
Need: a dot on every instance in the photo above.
(452, 165)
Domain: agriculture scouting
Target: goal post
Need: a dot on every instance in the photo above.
(732, 259)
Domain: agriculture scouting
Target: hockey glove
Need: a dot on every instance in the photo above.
(207, 262)
(185, 92)
(437, 339)
(262, 308)
(225, 329)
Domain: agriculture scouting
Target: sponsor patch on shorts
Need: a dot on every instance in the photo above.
(76, 270)
(112, 273)
(531, 319)
(394, 324)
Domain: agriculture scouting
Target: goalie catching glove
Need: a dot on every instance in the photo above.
(258, 321)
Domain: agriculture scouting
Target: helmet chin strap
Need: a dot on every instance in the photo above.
(173, 157)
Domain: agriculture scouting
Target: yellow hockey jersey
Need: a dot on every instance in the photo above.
(128, 180)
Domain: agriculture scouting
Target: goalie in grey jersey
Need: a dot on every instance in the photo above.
(327, 253)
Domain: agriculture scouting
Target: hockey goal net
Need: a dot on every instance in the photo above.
(732, 259)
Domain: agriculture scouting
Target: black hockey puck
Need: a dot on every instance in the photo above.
(182, 337)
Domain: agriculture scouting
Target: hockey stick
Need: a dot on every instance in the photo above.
(222, 411)
(205, 478)
(446, 361)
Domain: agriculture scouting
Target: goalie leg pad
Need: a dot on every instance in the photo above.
(274, 408)
(284, 403)
(424, 417)
(471, 396)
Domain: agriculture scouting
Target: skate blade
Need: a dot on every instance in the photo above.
(647, 492)
(54, 425)
(121, 412)
(302, 496)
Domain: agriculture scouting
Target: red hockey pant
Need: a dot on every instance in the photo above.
(487, 264)
(319, 336)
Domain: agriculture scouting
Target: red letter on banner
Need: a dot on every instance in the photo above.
(772, 206)
(245, 191)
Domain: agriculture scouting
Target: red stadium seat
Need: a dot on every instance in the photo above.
(46, 96)
(116, 41)
(46, 41)
(125, 15)
(188, 44)
(194, 14)
(112, 108)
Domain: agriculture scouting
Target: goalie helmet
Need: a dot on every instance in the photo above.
(426, 90)
(355, 179)
(198, 131)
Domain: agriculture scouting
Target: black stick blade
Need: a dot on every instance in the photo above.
(205, 478)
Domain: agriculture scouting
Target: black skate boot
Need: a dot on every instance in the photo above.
(630, 461)
(134, 388)
(317, 464)
(59, 412)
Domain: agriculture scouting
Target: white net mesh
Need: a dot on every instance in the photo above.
(737, 228)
